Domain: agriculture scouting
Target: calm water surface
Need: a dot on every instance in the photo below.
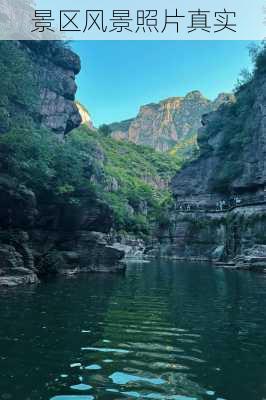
(162, 331)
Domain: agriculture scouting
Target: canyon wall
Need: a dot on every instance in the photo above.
(220, 198)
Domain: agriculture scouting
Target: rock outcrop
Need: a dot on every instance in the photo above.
(253, 258)
(220, 209)
(85, 116)
(50, 79)
(38, 239)
(162, 125)
(56, 67)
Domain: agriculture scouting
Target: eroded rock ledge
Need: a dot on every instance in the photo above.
(37, 240)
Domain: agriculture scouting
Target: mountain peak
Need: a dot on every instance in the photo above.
(162, 125)
(224, 98)
(194, 94)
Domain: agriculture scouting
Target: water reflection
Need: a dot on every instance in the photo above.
(73, 398)
(164, 331)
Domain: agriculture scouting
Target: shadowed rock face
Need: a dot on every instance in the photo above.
(162, 125)
(40, 235)
(232, 158)
(55, 68)
(233, 148)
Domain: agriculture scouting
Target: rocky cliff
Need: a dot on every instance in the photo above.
(220, 209)
(85, 116)
(162, 125)
(51, 218)
(55, 67)
(40, 85)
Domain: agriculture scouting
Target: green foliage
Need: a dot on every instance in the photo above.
(104, 130)
(244, 78)
(257, 54)
(132, 179)
(141, 176)
(18, 86)
(86, 163)
(48, 166)
(186, 149)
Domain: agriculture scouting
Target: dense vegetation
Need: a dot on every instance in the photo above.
(37, 159)
(134, 181)
(131, 179)
(186, 149)
(17, 89)
(33, 156)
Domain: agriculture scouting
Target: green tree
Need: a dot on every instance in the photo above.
(105, 130)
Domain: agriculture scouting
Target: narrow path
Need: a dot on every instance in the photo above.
(226, 210)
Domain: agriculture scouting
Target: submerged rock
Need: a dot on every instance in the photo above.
(253, 258)
(12, 268)
(132, 247)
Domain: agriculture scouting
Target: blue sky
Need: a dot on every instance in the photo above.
(119, 76)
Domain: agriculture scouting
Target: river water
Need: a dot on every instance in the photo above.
(162, 331)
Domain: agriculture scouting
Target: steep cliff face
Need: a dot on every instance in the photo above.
(233, 148)
(162, 125)
(55, 68)
(51, 218)
(40, 85)
(220, 197)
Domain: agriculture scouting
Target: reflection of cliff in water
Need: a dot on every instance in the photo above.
(43, 328)
(183, 333)
(161, 331)
(142, 345)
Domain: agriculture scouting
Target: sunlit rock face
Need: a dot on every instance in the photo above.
(85, 116)
(162, 125)
(55, 67)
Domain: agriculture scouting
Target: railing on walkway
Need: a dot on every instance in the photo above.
(193, 208)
